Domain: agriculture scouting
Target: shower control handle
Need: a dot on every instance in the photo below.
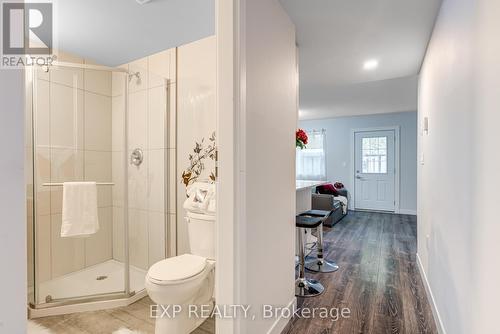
(136, 157)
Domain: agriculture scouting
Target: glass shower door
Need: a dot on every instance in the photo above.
(148, 151)
(109, 126)
(78, 135)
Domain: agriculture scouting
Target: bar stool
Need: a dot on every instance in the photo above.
(305, 287)
(319, 264)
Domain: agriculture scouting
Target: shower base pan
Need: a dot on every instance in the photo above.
(103, 283)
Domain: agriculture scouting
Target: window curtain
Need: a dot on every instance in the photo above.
(311, 161)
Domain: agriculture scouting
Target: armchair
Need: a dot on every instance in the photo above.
(328, 203)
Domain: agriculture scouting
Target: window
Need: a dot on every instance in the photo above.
(374, 155)
(311, 162)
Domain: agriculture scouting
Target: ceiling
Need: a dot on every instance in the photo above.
(336, 37)
(114, 32)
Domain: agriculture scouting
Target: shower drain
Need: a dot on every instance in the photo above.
(100, 278)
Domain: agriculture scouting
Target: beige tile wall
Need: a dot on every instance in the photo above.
(152, 129)
(74, 142)
(196, 111)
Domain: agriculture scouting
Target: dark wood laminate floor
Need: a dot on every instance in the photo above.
(378, 279)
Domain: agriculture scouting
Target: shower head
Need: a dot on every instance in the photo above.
(137, 75)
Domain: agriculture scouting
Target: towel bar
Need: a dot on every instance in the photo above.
(61, 184)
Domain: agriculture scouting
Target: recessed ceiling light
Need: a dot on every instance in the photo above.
(370, 64)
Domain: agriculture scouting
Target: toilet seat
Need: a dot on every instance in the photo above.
(176, 269)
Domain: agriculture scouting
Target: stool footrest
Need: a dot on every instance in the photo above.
(308, 222)
(316, 213)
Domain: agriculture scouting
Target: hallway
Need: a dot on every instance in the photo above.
(378, 279)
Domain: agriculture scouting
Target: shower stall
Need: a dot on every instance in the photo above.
(86, 122)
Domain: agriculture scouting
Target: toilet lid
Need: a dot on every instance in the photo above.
(177, 268)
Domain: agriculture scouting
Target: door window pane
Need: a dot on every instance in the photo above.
(374, 155)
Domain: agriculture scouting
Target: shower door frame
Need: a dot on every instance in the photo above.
(36, 303)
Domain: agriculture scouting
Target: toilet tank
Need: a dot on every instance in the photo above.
(201, 230)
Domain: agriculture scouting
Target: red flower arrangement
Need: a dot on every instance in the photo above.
(301, 139)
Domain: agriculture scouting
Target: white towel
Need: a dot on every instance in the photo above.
(201, 198)
(79, 212)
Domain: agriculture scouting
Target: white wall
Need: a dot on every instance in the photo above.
(196, 116)
(487, 160)
(338, 150)
(268, 164)
(12, 203)
(228, 107)
(458, 184)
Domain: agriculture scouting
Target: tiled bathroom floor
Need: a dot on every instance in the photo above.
(135, 317)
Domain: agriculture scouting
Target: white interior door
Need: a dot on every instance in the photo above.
(374, 172)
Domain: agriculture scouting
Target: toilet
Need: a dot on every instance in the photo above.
(186, 279)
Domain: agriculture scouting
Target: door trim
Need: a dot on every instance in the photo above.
(397, 162)
(228, 26)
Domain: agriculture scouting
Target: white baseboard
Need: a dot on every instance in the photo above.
(281, 322)
(430, 297)
(407, 212)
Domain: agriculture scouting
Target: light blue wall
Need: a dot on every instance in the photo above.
(338, 149)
